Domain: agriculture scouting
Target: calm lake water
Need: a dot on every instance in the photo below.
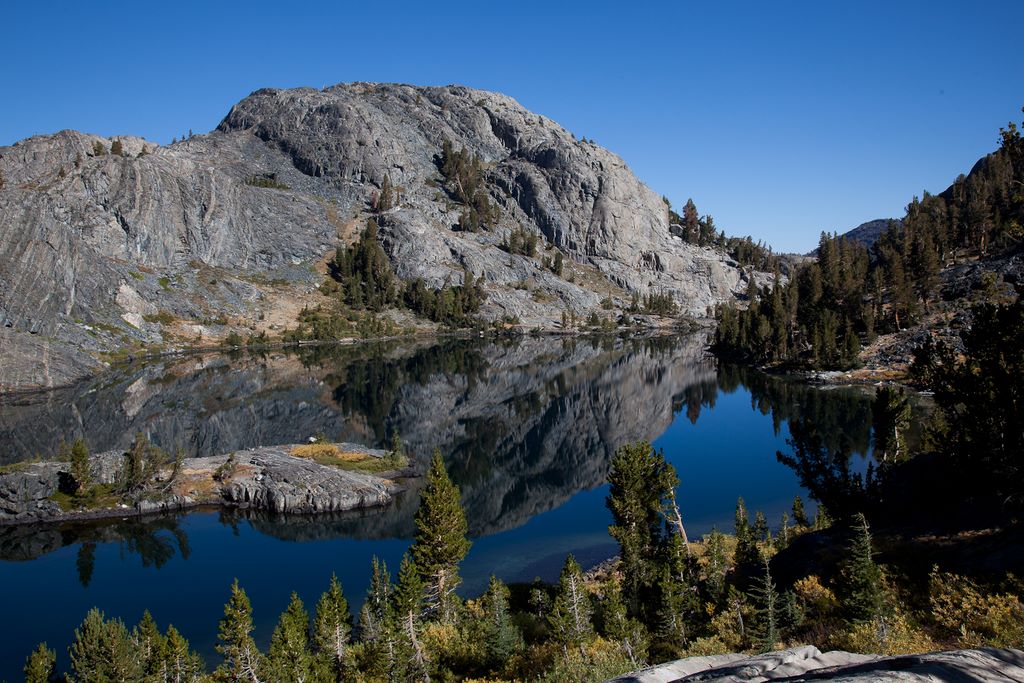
(527, 427)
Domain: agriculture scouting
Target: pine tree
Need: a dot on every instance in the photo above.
(675, 612)
(440, 543)
(103, 650)
(799, 514)
(410, 660)
(691, 222)
(502, 637)
(243, 662)
(377, 604)
(396, 456)
(747, 554)
(141, 462)
(178, 662)
(570, 614)
(80, 470)
(332, 630)
(623, 629)
(765, 597)
(717, 564)
(782, 540)
(760, 530)
(149, 644)
(116, 148)
(822, 520)
(364, 272)
(40, 664)
(980, 400)
(859, 588)
(289, 659)
(376, 633)
(640, 481)
(385, 200)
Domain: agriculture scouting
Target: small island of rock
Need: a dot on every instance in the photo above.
(302, 479)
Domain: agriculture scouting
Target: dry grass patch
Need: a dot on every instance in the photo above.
(332, 456)
(327, 451)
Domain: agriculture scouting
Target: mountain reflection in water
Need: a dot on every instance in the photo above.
(524, 424)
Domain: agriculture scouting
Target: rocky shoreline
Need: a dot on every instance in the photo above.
(268, 478)
(808, 662)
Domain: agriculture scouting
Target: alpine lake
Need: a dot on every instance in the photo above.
(527, 427)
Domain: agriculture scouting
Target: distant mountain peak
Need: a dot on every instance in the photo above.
(869, 232)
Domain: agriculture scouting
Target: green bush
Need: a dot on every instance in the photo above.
(267, 180)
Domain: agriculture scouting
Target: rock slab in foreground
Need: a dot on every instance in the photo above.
(808, 663)
(267, 478)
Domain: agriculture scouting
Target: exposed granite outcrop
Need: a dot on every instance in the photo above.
(275, 481)
(166, 244)
(25, 492)
(267, 478)
(810, 664)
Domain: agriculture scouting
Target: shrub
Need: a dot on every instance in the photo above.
(226, 470)
(266, 180)
(960, 607)
(257, 339)
(464, 178)
(363, 272)
(892, 634)
(233, 340)
(660, 303)
(455, 306)
(162, 317)
(520, 241)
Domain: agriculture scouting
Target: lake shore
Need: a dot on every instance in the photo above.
(285, 479)
(641, 326)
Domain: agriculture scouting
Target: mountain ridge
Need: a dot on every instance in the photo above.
(157, 245)
(868, 232)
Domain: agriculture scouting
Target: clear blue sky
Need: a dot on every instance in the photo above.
(780, 119)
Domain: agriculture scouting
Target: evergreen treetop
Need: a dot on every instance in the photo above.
(440, 543)
(242, 659)
(570, 614)
(860, 589)
(40, 664)
(103, 650)
(289, 659)
(641, 484)
(332, 627)
(81, 471)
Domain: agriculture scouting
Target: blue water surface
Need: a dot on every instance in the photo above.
(719, 433)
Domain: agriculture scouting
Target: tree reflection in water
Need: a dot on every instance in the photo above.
(155, 540)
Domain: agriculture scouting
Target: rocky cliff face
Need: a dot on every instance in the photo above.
(161, 244)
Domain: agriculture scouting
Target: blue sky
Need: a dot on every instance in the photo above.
(780, 119)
